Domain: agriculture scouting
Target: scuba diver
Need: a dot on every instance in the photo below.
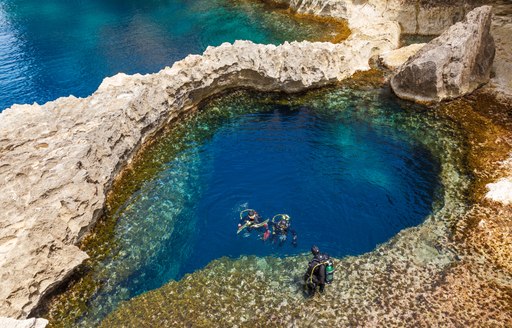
(280, 229)
(320, 272)
(253, 221)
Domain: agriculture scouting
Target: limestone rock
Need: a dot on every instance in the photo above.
(395, 58)
(331, 8)
(426, 17)
(452, 65)
(28, 323)
(500, 191)
(502, 32)
(58, 160)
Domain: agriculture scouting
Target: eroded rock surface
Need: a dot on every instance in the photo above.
(426, 17)
(452, 65)
(501, 29)
(395, 58)
(58, 160)
(28, 323)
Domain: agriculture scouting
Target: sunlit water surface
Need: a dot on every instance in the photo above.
(351, 168)
(55, 48)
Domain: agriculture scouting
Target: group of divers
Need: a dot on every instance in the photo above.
(320, 270)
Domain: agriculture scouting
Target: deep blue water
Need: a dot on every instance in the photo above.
(351, 174)
(55, 48)
(347, 185)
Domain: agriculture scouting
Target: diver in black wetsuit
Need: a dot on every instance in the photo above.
(316, 274)
(251, 218)
(253, 221)
(280, 230)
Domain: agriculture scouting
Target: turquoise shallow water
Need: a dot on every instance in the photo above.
(351, 168)
(55, 48)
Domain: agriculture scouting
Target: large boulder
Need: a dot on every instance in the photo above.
(452, 65)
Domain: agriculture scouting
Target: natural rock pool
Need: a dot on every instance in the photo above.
(397, 193)
(352, 168)
(394, 191)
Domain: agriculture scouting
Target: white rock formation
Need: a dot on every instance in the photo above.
(28, 323)
(500, 191)
(396, 58)
(58, 160)
(426, 17)
(452, 65)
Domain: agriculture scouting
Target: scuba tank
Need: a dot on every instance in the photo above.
(329, 272)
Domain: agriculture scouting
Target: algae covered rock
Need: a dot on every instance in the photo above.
(452, 65)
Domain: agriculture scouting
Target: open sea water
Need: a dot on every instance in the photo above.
(56, 48)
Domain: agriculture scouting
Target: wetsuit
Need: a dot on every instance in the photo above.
(280, 231)
(315, 274)
(255, 220)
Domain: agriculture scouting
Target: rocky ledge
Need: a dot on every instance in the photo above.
(452, 65)
(58, 160)
(425, 17)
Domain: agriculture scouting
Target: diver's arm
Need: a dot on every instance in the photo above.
(243, 221)
(308, 273)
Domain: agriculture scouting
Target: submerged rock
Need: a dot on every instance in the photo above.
(452, 65)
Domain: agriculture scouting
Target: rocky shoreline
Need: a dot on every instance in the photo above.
(59, 160)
